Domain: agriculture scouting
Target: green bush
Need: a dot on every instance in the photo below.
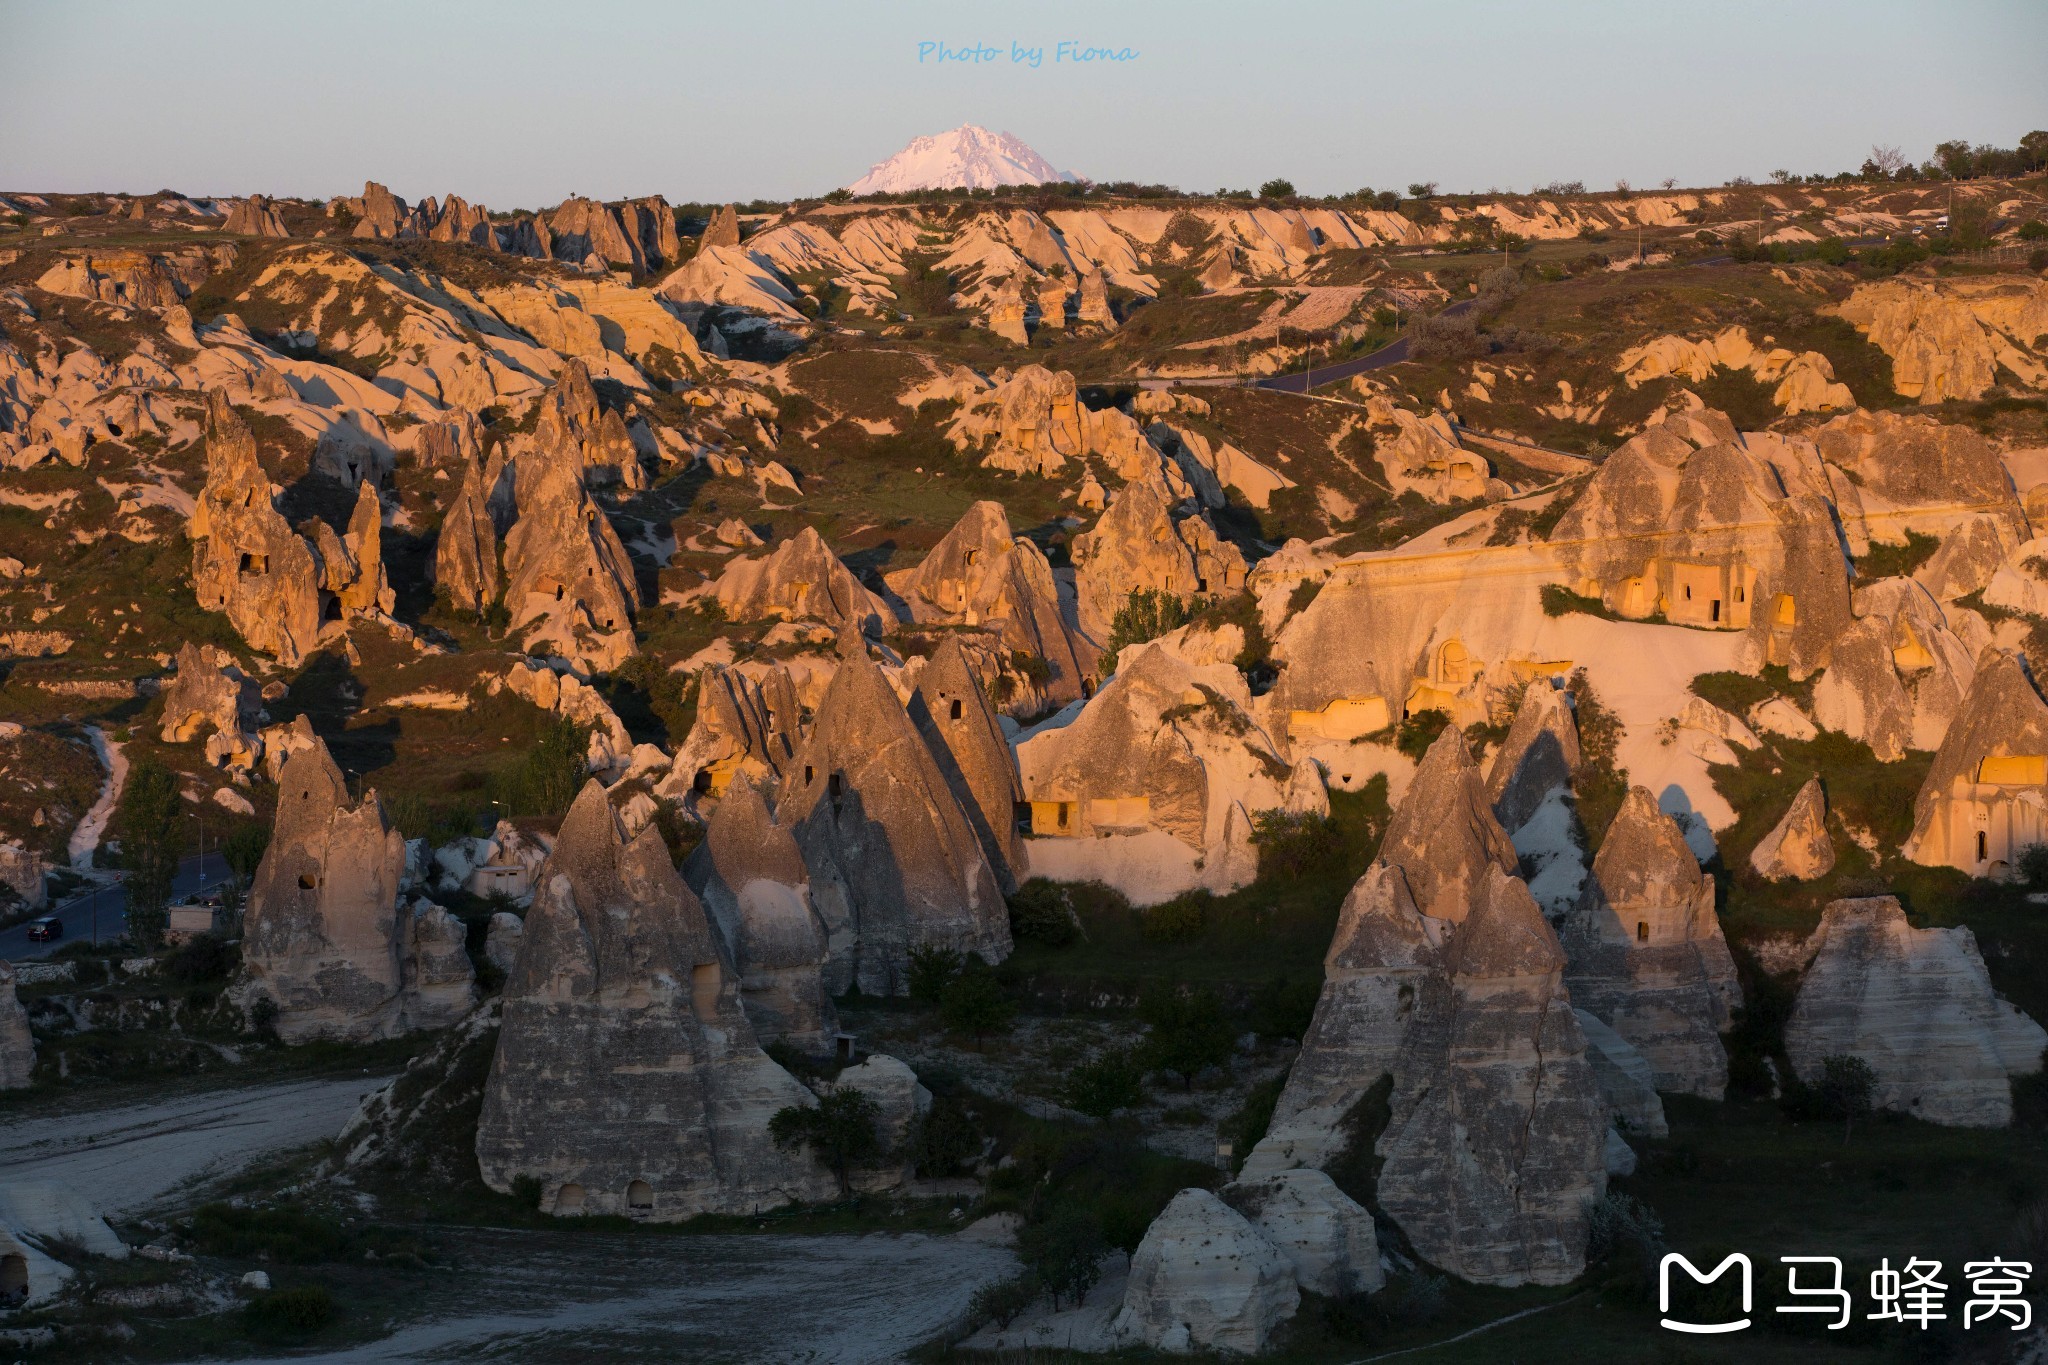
(1419, 731)
(548, 778)
(290, 1312)
(1064, 1252)
(932, 969)
(839, 1129)
(1189, 1031)
(1293, 845)
(203, 958)
(1001, 1301)
(1284, 1007)
(974, 1002)
(1146, 614)
(1113, 1081)
(1180, 920)
(1042, 912)
(945, 1139)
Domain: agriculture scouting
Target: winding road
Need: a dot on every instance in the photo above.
(107, 905)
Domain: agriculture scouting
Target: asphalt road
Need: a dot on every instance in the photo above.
(1393, 353)
(77, 914)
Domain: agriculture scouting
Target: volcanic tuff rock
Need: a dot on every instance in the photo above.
(22, 871)
(2021, 582)
(568, 575)
(1896, 677)
(744, 725)
(323, 937)
(573, 428)
(894, 861)
(17, 1044)
(1628, 1085)
(979, 574)
(1444, 835)
(210, 696)
(1205, 1279)
(1150, 788)
(1539, 755)
(361, 585)
(1645, 950)
(1797, 848)
(507, 933)
(466, 552)
(1969, 556)
(722, 230)
(1907, 472)
(1984, 798)
(1033, 422)
(1324, 1232)
(1138, 543)
(254, 217)
(246, 561)
(751, 877)
(951, 709)
(440, 981)
(1947, 338)
(627, 1079)
(800, 578)
(1918, 1007)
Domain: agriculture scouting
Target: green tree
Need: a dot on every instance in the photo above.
(839, 1129)
(1113, 1081)
(149, 812)
(1064, 1252)
(1277, 189)
(945, 1138)
(1146, 614)
(1189, 1031)
(973, 1002)
(1846, 1086)
(244, 848)
(932, 969)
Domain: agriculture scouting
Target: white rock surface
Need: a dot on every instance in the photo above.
(1205, 1279)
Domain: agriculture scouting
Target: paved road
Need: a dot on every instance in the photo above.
(127, 1158)
(1393, 353)
(77, 914)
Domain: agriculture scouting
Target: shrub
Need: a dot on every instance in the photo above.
(1189, 1031)
(1284, 1007)
(1064, 1252)
(932, 969)
(1446, 338)
(1180, 920)
(1624, 1228)
(1000, 1301)
(973, 1002)
(290, 1312)
(945, 1138)
(2033, 864)
(149, 813)
(1277, 189)
(1845, 1089)
(548, 778)
(1304, 593)
(203, 958)
(1113, 1081)
(1146, 614)
(1294, 845)
(1042, 912)
(1419, 731)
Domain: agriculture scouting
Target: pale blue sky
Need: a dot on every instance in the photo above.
(517, 104)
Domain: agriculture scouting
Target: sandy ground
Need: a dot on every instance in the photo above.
(128, 1158)
(86, 837)
(543, 1297)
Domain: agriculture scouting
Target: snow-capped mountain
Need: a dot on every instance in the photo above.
(969, 156)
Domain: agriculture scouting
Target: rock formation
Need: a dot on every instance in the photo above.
(722, 230)
(751, 877)
(799, 579)
(1139, 544)
(466, 551)
(1628, 1084)
(573, 428)
(503, 940)
(1918, 1007)
(1903, 473)
(1947, 338)
(1444, 835)
(1986, 796)
(1034, 422)
(567, 575)
(627, 1079)
(980, 575)
(255, 217)
(1896, 677)
(324, 938)
(1539, 755)
(951, 710)
(17, 1044)
(894, 861)
(1203, 1278)
(1323, 1232)
(246, 561)
(1646, 954)
(743, 726)
(1797, 848)
(210, 696)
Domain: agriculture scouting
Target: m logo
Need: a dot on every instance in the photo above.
(1702, 1328)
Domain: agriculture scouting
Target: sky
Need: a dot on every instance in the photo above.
(518, 105)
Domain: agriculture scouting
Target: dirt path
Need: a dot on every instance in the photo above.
(543, 1296)
(90, 830)
(127, 1158)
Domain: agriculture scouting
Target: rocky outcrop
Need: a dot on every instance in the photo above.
(324, 939)
(751, 877)
(1917, 1006)
(17, 1044)
(1948, 337)
(981, 575)
(440, 981)
(1151, 787)
(951, 710)
(1539, 755)
(1034, 422)
(1901, 472)
(627, 1079)
(212, 697)
(800, 579)
(1896, 677)
(1203, 1278)
(1797, 848)
(1444, 836)
(573, 428)
(22, 873)
(1986, 797)
(722, 230)
(1646, 954)
(1324, 1233)
(503, 940)
(466, 551)
(1804, 380)
(1628, 1084)
(1137, 544)
(246, 561)
(569, 583)
(254, 217)
(352, 565)
(894, 861)
(745, 726)
(638, 233)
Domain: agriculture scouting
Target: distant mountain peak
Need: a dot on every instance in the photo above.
(968, 157)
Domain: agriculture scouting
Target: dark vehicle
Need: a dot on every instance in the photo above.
(45, 931)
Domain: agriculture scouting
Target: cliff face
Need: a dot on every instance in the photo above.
(1918, 1007)
(627, 1079)
(246, 560)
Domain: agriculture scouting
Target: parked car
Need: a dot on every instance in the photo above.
(45, 930)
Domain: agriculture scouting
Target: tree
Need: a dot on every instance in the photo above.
(1277, 189)
(1113, 1081)
(1885, 162)
(1146, 614)
(149, 812)
(839, 1130)
(1954, 159)
(244, 848)
(1188, 1031)
(1845, 1088)
(1422, 189)
(1064, 1252)
(973, 1002)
